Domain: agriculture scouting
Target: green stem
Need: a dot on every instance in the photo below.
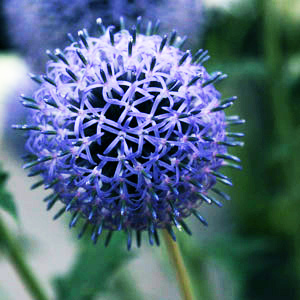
(274, 63)
(181, 272)
(20, 265)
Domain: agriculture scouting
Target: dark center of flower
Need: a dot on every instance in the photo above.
(128, 124)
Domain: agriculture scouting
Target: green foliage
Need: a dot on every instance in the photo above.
(93, 271)
(125, 288)
(229, 254)
(6, 199)
(258, 48)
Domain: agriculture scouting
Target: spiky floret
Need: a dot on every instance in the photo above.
(129, 132)
(51, 19)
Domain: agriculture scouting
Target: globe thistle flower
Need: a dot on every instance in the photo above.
(50, 20)
(129, 132)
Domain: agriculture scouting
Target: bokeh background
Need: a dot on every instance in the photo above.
(251, 248)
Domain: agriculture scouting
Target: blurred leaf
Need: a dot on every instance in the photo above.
(93, 270)
(250, 69)
(230, 255)
(124, 288)
(292, 74)
(6, 200)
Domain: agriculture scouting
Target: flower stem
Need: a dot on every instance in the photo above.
(181, 272)
(20, 265)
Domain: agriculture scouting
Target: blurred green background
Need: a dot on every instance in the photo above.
(251, 249)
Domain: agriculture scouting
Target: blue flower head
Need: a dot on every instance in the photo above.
(129, 132)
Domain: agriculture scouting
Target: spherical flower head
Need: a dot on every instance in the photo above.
(129, 132)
